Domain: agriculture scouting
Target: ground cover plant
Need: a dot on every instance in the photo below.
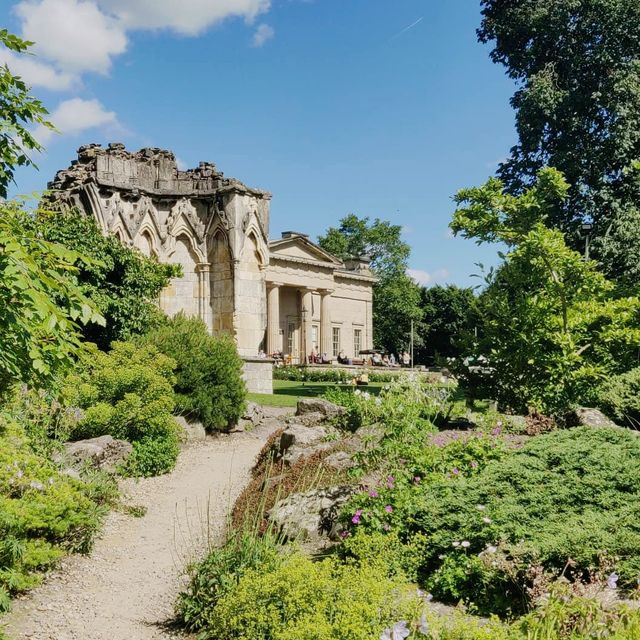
(208, 374)
(494, 521)
(127, 393)
(43, 513)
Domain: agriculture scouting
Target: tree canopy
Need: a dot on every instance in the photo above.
(577, 68)
(19, 110)
(396, 297)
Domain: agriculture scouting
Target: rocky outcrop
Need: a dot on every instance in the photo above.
(252, 417)
(589, 417)
(311, 516)
(191, 431)
(324, 409)
(104, 452)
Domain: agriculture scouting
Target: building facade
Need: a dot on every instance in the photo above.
(285, 296)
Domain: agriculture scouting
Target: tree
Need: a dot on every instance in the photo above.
(396, 297)
(41, 306)
(577, 67)
(551, 328)
(447, 311)
(124, 284)
(18, 111)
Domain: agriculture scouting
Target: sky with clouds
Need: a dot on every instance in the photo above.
(382, 108)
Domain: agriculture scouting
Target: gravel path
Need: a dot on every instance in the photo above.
(126, 588)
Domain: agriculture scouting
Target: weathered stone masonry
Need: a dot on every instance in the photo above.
(217, 229)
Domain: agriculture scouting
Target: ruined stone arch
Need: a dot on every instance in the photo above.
(147, 238)
(221, 285)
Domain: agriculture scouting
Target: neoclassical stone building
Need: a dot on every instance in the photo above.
(286, 295)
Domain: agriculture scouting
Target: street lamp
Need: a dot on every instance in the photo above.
(587, 227)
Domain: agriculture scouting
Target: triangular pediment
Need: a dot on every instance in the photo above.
(301, 248)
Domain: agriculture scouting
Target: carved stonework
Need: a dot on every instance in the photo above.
(183, 217)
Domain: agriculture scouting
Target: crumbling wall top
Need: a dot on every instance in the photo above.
(150, 170)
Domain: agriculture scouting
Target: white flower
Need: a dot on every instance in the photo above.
(378, 401)
(357, 392)
(455, 544)
(480, 507)
(465, 543)
(486, 520)
(491, 549)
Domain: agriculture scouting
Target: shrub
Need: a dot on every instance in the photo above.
(620, 397)
(298, 599)
(219, 573)
(566, 502)
(123, 283)
(209, 385)
(128, 394)
(43, 513)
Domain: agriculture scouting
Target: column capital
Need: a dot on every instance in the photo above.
(325, 292)
(273, 285)
(203, 266)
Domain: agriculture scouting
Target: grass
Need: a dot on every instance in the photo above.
(286, 393)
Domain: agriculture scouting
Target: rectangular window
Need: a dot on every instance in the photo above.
(357, 342)
(336, 341)
(314, 337)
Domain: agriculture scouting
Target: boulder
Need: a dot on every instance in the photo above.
(340, 461)
(104, 452)
(589, 417)
(192, 431)
(251, 418)
(326, 409)
(311, 516)
(301, 436)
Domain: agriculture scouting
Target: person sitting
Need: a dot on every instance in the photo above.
(392, 360)
(385, 360)
(313, 356)
(406, 359)
(324, 359)
(376, 360)
(342, 358)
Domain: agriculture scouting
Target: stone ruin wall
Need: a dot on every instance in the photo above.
(216, 228)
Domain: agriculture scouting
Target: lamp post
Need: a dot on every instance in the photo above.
(587, 227)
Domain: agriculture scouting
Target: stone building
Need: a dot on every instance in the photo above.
(286, 295)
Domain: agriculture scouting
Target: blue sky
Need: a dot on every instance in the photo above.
(382, 108)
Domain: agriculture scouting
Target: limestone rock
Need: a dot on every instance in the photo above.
(589, 417)
(104, 452)
(301, 436)
(192, 431)
(252, 417)
(340, 461)
(320, 406)
(310, 516)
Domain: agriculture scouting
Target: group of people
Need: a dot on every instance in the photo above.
(379, 360)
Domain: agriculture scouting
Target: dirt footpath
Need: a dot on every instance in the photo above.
(126, 588)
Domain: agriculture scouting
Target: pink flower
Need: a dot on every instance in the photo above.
(417, 479)
(455, 471)
(373, 493)
(356, 517)
(388, 508)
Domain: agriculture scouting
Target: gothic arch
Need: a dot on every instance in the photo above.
(221, 285)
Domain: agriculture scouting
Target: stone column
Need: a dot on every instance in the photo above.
(326, 337)
(306, 315)
(273, 317)
(204, 293)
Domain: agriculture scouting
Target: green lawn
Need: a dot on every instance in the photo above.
(287, 393)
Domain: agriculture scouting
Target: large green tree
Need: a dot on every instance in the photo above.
(551, 327)
(396, 297)
(19, 111)
(577, 68)
(447, 312)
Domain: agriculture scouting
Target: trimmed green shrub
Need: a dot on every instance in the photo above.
(334, 374)
(128, 394)
(620, 398)
(43, 513)
(209, 385)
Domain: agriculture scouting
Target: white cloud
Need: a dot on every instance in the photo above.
(36, 73)
(189, 17)
(75, 116)
(74, 34)
(262, 34)
(425, 278)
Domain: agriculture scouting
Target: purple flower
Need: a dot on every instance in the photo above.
(497, 431)
(386, 526)
(455, 471)
(390, 481)
(417, 480)
(389, 509)
(356, 517)
(474, 464)
(373, 493)
(612, 581)
(400, 631)
(344, 534)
